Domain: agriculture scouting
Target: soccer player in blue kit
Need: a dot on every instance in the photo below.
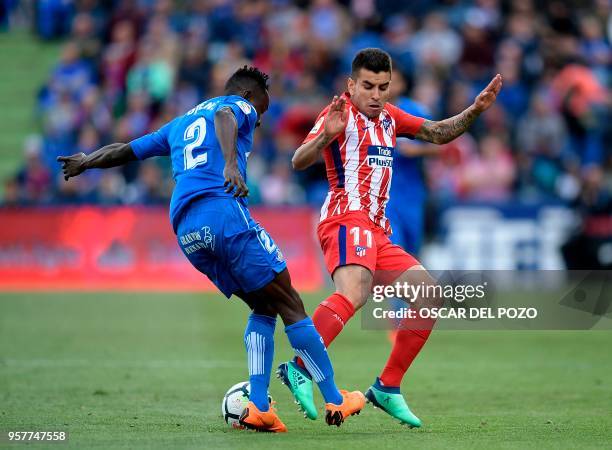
(209, 146)
(408, 217)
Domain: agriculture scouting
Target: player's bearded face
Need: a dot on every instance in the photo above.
(369, 91)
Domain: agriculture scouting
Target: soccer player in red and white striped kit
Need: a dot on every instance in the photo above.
(356, 135)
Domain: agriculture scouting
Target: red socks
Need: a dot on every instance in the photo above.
(408, 344)
(333, 313)
(330, 317)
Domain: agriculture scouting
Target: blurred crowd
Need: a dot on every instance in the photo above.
(128, 66)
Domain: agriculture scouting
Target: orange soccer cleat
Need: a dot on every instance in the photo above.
(352, 403)
(267, 421)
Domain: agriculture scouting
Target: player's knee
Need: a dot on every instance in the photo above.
(356, 291)
(355, 283)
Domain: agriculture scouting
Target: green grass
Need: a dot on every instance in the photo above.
(26, 63)
(149, 370)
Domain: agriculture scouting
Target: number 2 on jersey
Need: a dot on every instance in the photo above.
(196, 130)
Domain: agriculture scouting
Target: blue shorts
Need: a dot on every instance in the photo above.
(221, 240)
(408, 227)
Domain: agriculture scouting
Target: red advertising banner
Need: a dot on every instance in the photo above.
(129, 248)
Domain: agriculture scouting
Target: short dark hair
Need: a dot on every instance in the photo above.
(373, 59)
(249, 78)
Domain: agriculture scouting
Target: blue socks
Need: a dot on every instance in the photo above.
(259, 342)
(308, 345)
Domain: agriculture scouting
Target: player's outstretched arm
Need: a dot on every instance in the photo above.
(443, 131)
(112, 155)
(334, 123)
(226, 129)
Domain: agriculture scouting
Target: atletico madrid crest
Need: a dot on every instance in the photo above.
(360, 251)
(386, 123)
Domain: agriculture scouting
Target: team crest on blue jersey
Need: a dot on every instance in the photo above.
(360, 251)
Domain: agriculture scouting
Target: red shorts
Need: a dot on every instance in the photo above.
(352, 238)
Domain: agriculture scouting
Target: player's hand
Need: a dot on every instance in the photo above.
(336, 118)
(488, 95)
(234, 180)
(72, 165)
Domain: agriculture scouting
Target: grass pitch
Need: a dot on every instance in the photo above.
(150, 370)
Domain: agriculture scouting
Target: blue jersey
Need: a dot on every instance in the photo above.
(408, 171)
(407, 218)
(197, 160)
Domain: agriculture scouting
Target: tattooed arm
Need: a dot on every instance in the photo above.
(443, 131)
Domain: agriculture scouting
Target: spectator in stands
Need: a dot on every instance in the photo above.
(436, 45)
(118, 57)
(129, 66)
(86, 38)
(72, 74)
(95, 112)
(53, 17)
(151, 74)
(445, 173)
(110, 190)
(489, 175)
(149, 188)
(137, 116)
(194, 69)
(541, 137)
(278, 187)
(11, 194)
(34, 178)
(581, 99)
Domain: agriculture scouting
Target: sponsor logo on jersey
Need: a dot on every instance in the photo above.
(380, 156)
(317, 126)
(197, 240)
(244, 106)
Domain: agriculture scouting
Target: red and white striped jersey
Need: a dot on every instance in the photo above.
(359, 162)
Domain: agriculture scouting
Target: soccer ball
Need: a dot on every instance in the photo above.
(235, 401)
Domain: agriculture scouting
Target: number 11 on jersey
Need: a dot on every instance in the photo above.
(355, 232)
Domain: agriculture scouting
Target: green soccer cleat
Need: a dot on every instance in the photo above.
(394, 405)
(299, 383)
